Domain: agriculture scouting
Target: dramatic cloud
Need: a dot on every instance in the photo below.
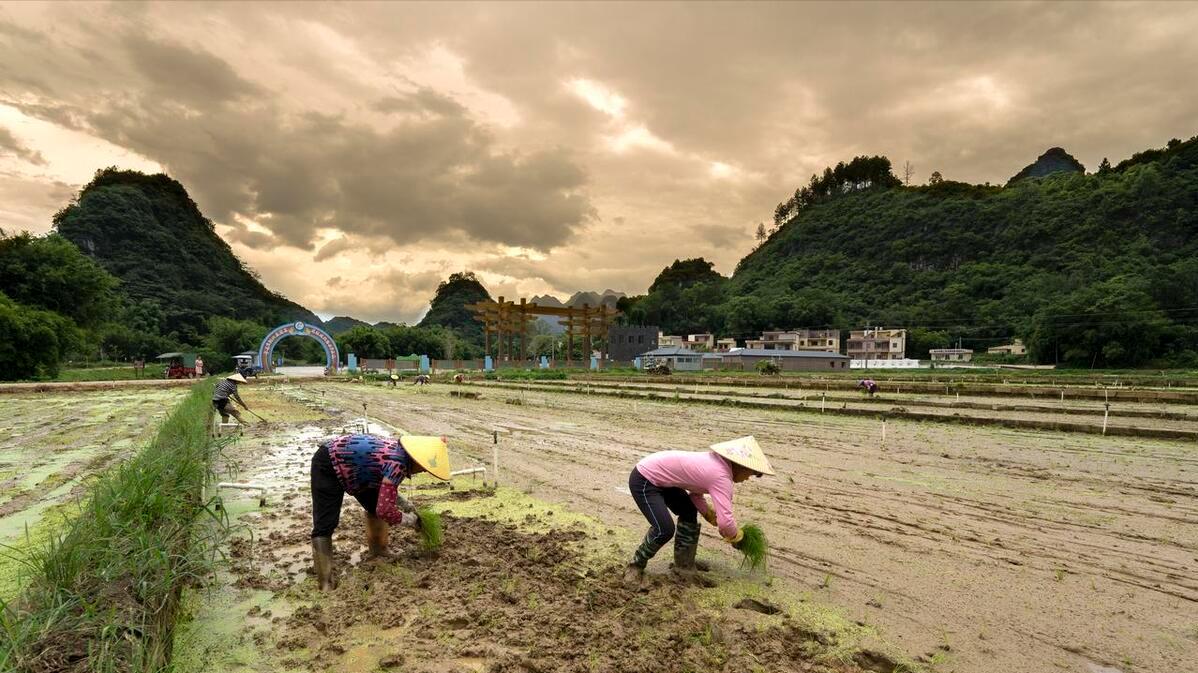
(556, 147)
(9, 144)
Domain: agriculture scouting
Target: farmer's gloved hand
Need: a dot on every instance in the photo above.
(737, 539)
(410, 519)
(709, 515)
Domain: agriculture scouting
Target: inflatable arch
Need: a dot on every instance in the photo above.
(298, 328)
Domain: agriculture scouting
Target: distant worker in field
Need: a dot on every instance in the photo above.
(458, 378)
(869, 386)
(676, 481)
(422, 380)
(370, 468)
(394, 381)
(225, 390)
(199, 367)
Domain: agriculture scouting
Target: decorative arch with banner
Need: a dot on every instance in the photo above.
(298, 328)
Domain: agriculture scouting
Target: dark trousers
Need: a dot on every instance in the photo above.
(657, 504)
(327, 494)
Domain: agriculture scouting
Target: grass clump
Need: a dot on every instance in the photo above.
(431, 532)
(754, 547)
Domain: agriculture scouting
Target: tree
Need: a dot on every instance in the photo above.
(49, 272)
(760, 232)
(1104, 167)
(908, 171)
(365, 342)
(936, 178)
(35, 341)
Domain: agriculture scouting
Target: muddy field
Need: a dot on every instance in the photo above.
(51, 443)
(1125, 418)
(521, 585)
(972, 548)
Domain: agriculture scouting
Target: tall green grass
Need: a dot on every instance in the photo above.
(101, 595)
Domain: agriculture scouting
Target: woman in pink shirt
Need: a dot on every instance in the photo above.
(675, 482)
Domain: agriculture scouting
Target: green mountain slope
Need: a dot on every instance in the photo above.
(1055, 160)
(342, 323)
(1090, 270)
(448, 307)
(146, 231)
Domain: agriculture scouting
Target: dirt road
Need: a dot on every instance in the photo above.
(981, 549)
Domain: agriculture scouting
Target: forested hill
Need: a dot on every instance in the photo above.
(1091, 270)
(146, 231)
(448, 306)
(1096, 270)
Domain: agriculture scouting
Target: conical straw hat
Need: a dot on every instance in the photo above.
(744, 451)
(236, 377)
(432, 453)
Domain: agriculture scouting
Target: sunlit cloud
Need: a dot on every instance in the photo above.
(599, 97)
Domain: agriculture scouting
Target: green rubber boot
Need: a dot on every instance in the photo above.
(322, 560)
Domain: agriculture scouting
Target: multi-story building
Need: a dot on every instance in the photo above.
(626, 342)
(797, 340)
(725, 345)
(877, 344)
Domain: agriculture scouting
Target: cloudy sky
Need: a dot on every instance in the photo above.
(356, 154)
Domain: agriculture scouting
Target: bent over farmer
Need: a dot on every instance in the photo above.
(869, 385)
(675, 482)
(220, 398)
(370, 468)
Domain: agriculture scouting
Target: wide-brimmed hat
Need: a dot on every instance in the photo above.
(431, 453)
(394, 377)
(236, 377)
(746, 452)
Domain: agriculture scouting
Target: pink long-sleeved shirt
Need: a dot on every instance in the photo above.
(697, 473)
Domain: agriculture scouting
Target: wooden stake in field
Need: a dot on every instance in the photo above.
(495, 455)
(823, 401)
(883, 444)
(1106, 414)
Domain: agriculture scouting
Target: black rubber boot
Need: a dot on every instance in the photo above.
(322, 561)
(686, 546)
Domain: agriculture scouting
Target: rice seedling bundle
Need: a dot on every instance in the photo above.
(754, 547)
(430, 529)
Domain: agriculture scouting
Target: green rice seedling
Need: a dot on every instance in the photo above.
(754, 547)
(430, 529)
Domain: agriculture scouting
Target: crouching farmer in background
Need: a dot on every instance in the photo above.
(675, 481)
(370, 468)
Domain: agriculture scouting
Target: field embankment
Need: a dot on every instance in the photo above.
(102, 593)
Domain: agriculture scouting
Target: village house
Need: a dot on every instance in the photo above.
(877, 344)
(1016, 347)
(798, 340)
(951, 354)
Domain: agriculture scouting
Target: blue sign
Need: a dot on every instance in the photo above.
(488, 364)
(424, 365)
